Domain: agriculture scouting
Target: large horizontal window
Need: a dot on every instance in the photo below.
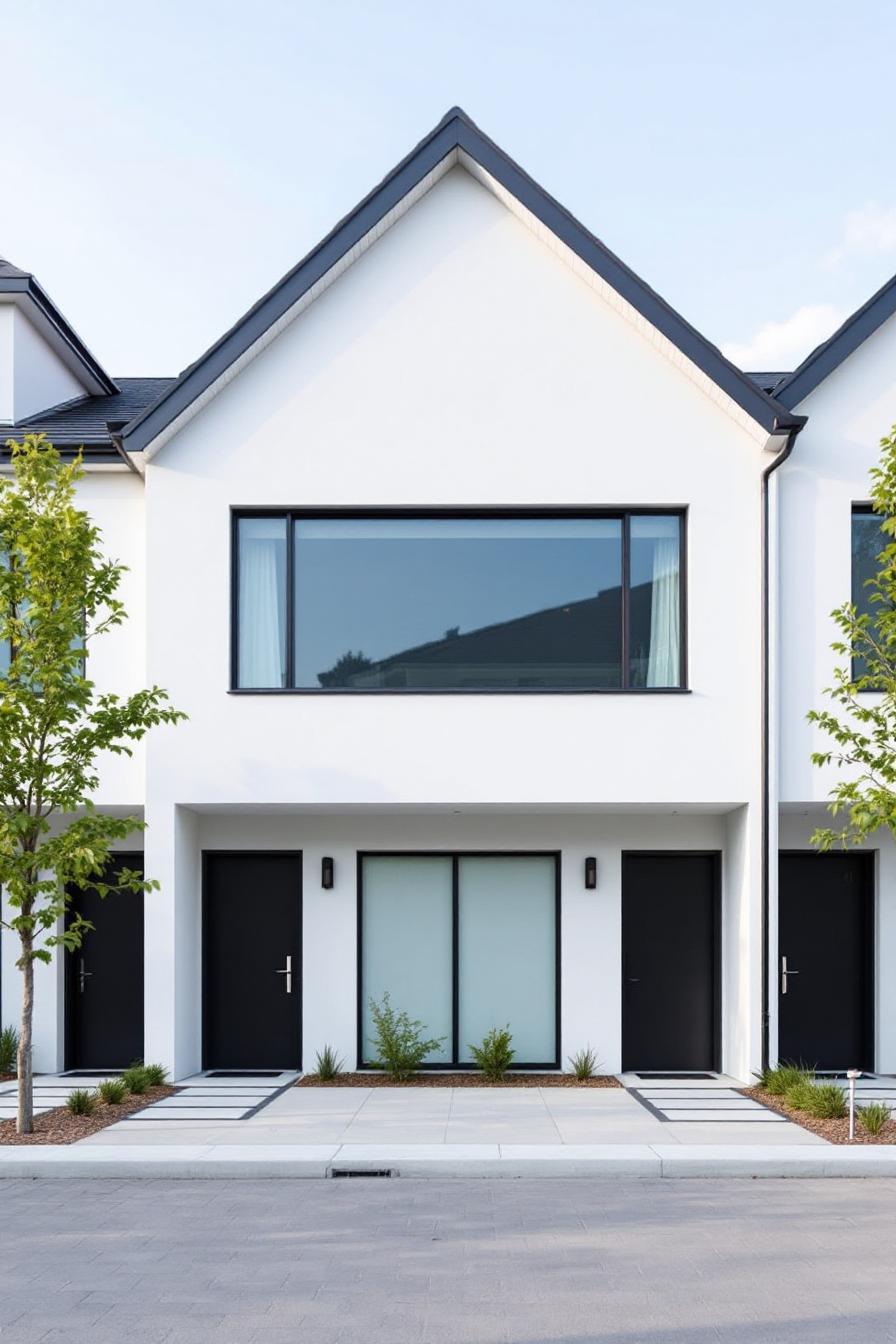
(466, 603)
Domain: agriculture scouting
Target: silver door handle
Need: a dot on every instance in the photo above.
(83, 975)
(784, 974)
(287, 971)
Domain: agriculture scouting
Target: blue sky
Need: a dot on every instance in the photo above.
(162, 164)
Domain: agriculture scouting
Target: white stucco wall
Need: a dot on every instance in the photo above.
(457, 362)
(828, 472)
(32, 376)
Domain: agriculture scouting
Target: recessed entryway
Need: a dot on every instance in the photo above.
(670, 962)
(825, 969)
(252, 960)
(104, 977)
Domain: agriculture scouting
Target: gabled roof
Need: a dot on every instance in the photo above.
(454, 134)
(25, 290)
(828, 356)
(85, 423)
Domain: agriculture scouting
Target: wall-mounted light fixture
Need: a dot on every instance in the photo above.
(326, 873)
(591, 873)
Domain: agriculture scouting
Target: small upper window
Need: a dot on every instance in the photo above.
(867, 543)
(465, 603)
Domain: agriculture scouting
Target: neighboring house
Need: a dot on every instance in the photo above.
(496, 627)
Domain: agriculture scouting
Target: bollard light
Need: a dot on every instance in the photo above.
(852, 1075)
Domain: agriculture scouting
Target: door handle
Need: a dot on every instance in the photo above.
(784, 974)
(633, 979)
(83, 975)
(287, 971)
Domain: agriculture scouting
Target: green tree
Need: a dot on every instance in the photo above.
(862, 728)
(57, 595)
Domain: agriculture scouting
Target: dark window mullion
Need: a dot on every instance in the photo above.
(455, 967)
(290, 600)
(626, 582)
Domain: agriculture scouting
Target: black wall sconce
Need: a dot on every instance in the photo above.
(591, 873)
(326, 873)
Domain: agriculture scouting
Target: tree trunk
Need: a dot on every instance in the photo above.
(25, 1117)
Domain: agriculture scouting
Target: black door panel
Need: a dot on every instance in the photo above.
(104, 978)
(252, 961)
(826, 935)
(670, 918)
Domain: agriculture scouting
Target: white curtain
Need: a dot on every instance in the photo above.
(261, 632)
(664, 662)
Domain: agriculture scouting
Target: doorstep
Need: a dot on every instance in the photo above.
(318, 1161)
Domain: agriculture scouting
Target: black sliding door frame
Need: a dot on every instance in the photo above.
(207, 854)
(454, 1064)
(715, 856)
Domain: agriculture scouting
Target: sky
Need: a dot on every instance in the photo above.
(163, 164)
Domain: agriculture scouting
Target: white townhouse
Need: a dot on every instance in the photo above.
(496, 597)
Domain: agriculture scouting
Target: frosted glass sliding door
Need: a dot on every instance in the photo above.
(406, 942)
(507, 953)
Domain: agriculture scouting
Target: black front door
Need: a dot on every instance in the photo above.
(104, 978)
(825, 947)
(670, 971)
(252, 960)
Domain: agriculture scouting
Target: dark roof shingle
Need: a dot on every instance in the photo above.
(83, 423)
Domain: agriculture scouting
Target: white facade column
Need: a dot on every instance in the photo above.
(329, 954)
(173, 941)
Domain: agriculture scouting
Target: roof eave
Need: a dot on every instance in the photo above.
(29, 288)
(454, 132)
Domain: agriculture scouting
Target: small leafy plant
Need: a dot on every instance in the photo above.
(135, 1079)
(398, 1040)
(155, 1074)
(9, 1049)
(584, 1063)
(81, 1102)
(327, 1064)
(113, 1091)
(874, 1116)
(495, 1055)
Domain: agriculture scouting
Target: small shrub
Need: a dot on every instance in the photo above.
(135, 1079)
(327, 1064)
(783, 1077)
(828, 1102)
(495, 1055)
(155, 1074)
(873, 1116)
(398, 1040)
(584, 1063)
(9, 1049)
(113, 1091)
(801, 1095)
(81, 1102)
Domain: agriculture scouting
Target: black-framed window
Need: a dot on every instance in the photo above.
(867, 543)
(462, 942)
(468, 601)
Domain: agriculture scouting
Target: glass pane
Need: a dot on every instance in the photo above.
(458, 603)
(867, 543)
(507, 954)
(407, 942)
(262, 602)
(655, 605)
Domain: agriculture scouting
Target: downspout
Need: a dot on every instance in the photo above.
(779, 461)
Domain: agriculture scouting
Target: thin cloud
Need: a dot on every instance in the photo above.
(781, 346)
(867, 232)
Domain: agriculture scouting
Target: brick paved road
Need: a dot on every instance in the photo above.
(380, 1262)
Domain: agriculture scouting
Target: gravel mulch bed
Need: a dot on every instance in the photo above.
(835, 1131)
(6, 1077)
(460, 1080)
(58, 1126)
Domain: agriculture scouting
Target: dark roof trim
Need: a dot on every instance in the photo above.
(828, 356)
(14, 281)
(455, 131)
